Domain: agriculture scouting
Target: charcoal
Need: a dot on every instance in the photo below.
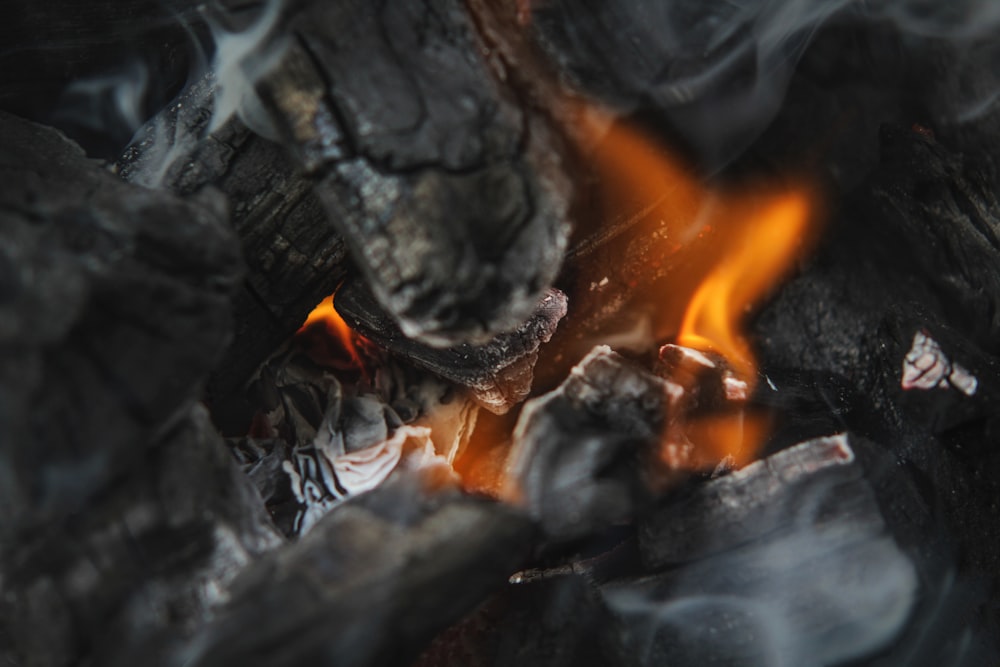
(294, 256)
(370, 584)
(894, 245)
(552, 622)
(760, 499)
(498, 373)
(116, 306)
(157, 548)
(88, 68)
(786, 561)
(451, 199)
(584, 455)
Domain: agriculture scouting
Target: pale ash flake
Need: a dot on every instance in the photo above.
(927, 367)
(322, 478)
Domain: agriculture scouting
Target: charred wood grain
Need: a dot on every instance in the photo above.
(498, 373)
(116, 305)
(450, 197)
(294, 256)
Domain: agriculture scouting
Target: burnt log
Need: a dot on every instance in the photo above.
(450, 197)
(785, 561)
(498, 373)
(294, 256)
(116, 306)
(156, 549)
(369, 585)
(585, 455)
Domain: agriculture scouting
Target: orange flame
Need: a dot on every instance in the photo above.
(326, 317)
(758, 252)
(717, 251)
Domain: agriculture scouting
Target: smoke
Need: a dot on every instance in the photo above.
(115, 104)
(829, 586)
(720, 70)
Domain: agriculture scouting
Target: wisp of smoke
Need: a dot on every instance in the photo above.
(824, 589)
(222, 89)
(720, 70)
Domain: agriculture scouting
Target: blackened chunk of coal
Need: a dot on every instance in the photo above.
(920, 238)
(558, 621)
(116, 305)
(448, 196)
(582, 453)
(787, 561)
(371, 584)
(162, 543)
(293, 254)
(758, 500)
(498, 372)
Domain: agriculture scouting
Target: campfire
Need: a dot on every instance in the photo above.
(489, 333)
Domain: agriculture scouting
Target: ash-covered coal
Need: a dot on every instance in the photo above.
(370, 584)
(499, 372)
(115, 308)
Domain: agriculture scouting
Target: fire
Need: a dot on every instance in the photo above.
(758, 252)
(335, 330)
(712, 254)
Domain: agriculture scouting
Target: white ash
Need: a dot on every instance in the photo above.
(322, 477)
(926, 366)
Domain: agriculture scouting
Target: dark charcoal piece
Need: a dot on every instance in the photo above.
(558, 621)
(63, 62)
(759, 500)
(921, 237)
(116, 305)
(294, 256)
(785, 562)
(156, 549)
(452, 201)
(582, 454)
(499, 372)
(370, 584)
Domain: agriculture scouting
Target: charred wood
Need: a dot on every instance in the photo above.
(294, 256)
(157, 547)
(498, 373)
(813, 578)
(450, 197)
(584, 455)
(370, 584)
(116, 306)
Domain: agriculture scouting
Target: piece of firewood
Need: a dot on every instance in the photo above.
(498, 372)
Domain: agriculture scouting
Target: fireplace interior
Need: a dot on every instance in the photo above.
(465, 334)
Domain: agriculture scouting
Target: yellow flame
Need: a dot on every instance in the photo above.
(325, 315)
(758, 252)
(720, 250)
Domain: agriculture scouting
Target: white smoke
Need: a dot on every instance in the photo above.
(721, 69)
(114, 103)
